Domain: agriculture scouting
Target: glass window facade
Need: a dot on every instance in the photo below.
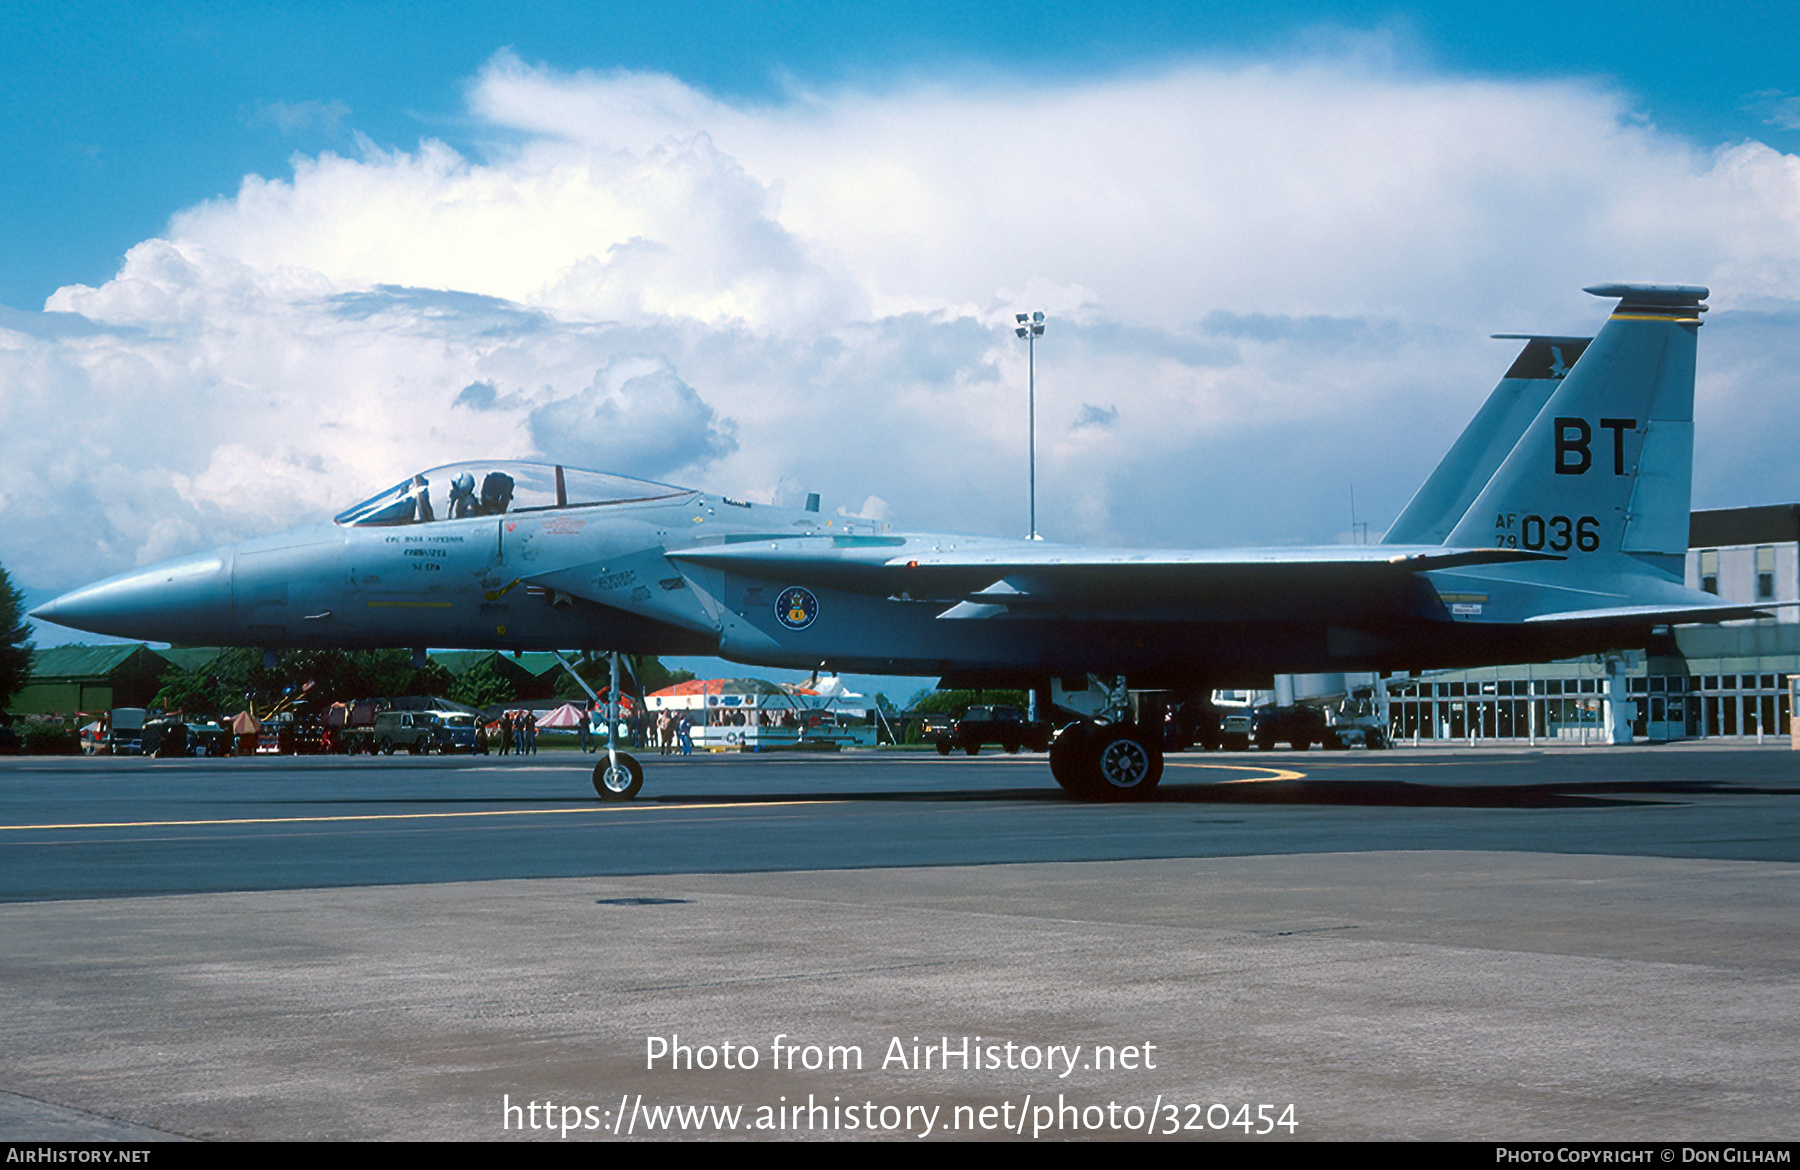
(1665, 707)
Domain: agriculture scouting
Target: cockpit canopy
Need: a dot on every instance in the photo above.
(498, 487)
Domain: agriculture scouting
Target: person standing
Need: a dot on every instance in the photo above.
(685, 729)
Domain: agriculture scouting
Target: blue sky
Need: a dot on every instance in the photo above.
(293, 253)
(119, 115)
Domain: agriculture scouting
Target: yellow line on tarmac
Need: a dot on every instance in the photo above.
(510, 812)
(1274, 773)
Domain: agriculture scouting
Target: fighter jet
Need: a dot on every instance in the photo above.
(1556, 526)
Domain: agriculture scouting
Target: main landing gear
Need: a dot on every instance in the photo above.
(1106, 761)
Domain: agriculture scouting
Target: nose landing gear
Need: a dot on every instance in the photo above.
(618, 777)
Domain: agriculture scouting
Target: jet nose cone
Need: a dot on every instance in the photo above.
(183, 600)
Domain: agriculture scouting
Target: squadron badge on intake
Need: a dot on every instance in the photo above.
(796, 608)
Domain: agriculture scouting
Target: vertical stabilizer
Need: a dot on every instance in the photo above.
(1606, 466)
(1534, 375)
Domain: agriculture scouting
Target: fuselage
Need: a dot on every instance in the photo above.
(632, 574)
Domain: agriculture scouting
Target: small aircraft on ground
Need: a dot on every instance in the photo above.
(1556, 526)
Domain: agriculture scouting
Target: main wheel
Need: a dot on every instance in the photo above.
(973, 747)
(943, 746)
(1128, 763)
(618, 782)
(1068, 752)
(1116, 762)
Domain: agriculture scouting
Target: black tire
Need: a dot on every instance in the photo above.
(1265, 743)
(387, 746)
(621, 785)
(1333, 742)
(1067, 753)
(943, 746)
(972, 748)
(1114, 763)
(1011, 747)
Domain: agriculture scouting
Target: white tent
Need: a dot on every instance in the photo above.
(567, 715)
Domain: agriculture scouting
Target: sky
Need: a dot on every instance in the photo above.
(260, 260)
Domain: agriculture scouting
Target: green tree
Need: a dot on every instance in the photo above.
(649, 673)
(481, 686)
(957, 701)
(15, 644)
(238, 676)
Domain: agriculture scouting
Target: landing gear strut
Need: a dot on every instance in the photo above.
(1106, 762)
(619, 776)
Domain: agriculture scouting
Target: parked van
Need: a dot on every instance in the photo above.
(125, 732)
(420, 732)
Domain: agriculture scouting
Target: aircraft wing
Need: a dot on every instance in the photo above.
(985, 579)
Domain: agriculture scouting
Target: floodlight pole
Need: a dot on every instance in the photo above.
(1031, 328)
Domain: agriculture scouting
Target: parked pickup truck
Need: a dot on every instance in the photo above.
(1005, 726)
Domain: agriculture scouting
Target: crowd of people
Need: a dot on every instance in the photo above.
(674, 733)
(670, 732)
(518, 733)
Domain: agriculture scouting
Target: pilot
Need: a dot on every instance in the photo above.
(496, 493)
(462, 496)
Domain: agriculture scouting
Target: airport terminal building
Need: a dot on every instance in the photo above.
(1700, 682)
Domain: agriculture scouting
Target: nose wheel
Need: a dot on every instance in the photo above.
(1111, 762)
(620, 779)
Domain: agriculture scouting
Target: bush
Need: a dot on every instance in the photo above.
(42, 739)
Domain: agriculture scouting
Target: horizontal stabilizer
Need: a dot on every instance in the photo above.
(1659, 614)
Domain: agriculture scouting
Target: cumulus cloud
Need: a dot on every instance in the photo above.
(637, 417)
(1278, 281)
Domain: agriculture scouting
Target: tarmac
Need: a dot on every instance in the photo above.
(1384, 993)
